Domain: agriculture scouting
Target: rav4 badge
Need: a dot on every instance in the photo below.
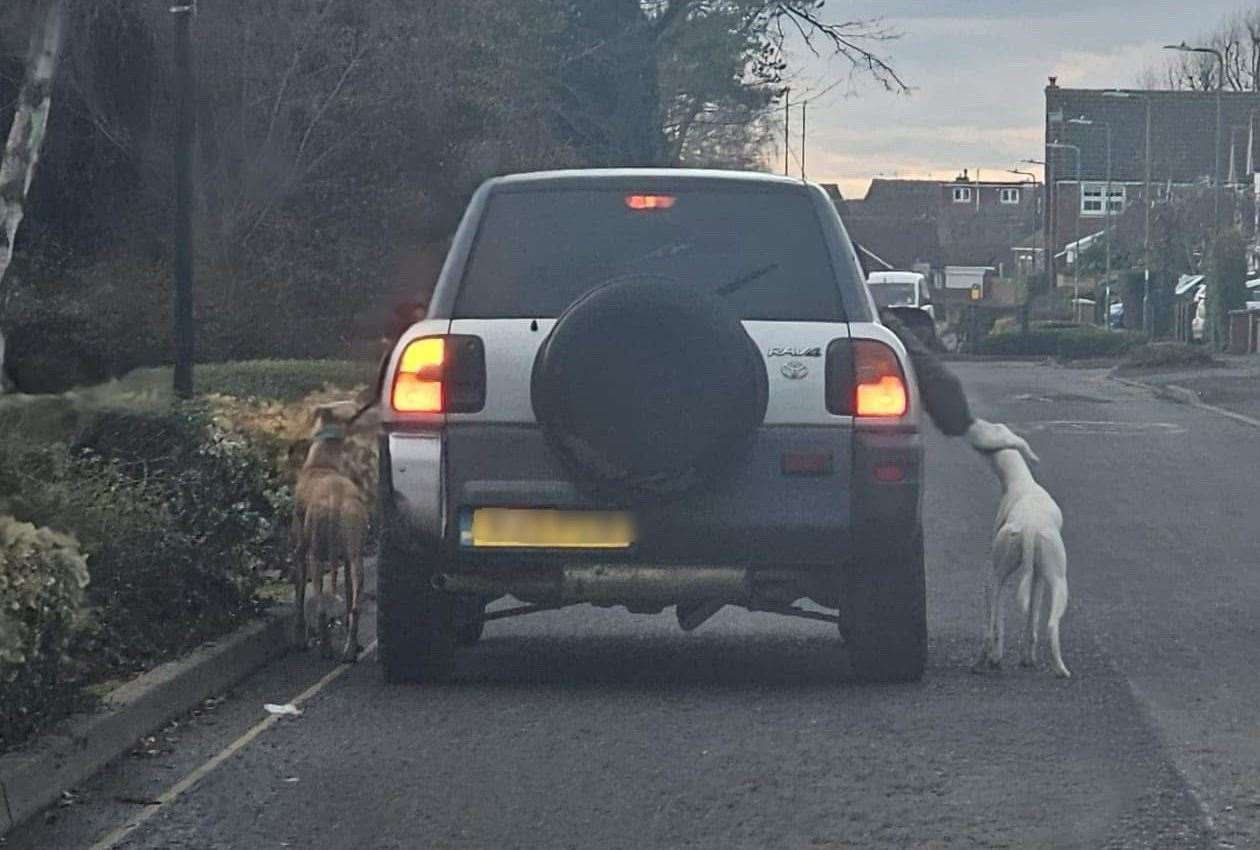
(781, 351)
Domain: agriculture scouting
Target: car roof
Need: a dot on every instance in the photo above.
(894, 277)
(594, 177)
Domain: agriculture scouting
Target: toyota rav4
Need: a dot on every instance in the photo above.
(650, 388)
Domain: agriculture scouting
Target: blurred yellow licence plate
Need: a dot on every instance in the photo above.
(518, 528)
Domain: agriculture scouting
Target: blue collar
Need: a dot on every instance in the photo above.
(331, 432)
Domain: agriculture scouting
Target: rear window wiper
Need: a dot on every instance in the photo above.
(743, 280)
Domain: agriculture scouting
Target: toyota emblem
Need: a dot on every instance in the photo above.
(794, 370)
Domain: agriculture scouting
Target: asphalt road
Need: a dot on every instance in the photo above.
(590, 728)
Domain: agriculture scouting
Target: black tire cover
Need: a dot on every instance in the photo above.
(648, 387)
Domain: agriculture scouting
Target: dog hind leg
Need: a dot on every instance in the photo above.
(354, 589)
(1056, 578)
(299, 601)
(995, 579)
(1031, 593)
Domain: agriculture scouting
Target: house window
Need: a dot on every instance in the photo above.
(1092, 198)
(962, 194)
(1010, 196)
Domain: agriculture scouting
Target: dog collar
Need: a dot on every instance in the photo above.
(331, 432)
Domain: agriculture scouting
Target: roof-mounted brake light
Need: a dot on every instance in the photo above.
(650, 202)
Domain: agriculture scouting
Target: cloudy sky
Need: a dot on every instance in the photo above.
(977, 69)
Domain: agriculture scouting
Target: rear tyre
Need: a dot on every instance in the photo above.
(885, 612)
(468, 624)
(415, 630)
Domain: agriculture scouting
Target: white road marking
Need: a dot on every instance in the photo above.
(1104, 428)
(113, 839)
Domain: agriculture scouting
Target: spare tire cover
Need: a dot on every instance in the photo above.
(648, 387)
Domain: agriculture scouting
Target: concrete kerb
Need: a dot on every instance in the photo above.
(33, 778)
(1182, 395)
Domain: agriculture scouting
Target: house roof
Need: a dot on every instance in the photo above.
(1183, 131)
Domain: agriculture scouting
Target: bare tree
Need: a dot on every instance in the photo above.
(26, 133)
(1238, 40)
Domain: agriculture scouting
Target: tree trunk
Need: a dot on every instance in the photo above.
(26, 136)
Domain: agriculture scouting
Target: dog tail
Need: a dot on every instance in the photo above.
(1023, 593)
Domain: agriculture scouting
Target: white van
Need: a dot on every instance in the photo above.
(901, 289)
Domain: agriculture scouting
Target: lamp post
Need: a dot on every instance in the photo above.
(185, 135)
(1220, 84)
(1023, 313)
(1088, 122)
(1076, 258)
(1042, 208)
(1148, 313)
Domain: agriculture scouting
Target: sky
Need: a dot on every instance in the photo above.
(977, 70)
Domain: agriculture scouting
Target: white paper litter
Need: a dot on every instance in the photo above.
(288, 708)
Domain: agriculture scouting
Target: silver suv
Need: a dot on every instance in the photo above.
(650, 388)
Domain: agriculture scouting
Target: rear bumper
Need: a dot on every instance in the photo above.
(760, 515)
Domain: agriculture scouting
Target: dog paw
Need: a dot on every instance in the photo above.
(1027, 662)
(1062, 672)
(987, 665)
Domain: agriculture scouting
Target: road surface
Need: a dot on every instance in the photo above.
(592, 728)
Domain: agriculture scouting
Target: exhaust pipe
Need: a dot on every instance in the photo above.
(612, 584)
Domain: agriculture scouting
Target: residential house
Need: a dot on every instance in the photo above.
(1090, 128)
(933, 226)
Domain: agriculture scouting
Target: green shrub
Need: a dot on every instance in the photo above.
(1078, 343)
(1168, 355)
(1068, 343)
(178, 516)
(1227, 287)
(280, 380)
(42, 579)
(1036, 342)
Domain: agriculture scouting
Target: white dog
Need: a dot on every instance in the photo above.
(1027, 541)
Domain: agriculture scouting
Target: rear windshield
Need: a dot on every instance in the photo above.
(537, 252)
(893, 294)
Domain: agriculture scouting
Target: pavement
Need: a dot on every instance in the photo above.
(1235, 385)
(598, 728)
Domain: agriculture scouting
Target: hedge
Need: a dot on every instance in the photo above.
(1068, 343)
(178, 518)
(179, 510)
(42, 579)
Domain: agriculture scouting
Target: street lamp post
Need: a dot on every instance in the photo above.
(185, 136)
(1088, 122)
(1076, 258)
(1023, 313)
(1220, 85)
(1148, 313)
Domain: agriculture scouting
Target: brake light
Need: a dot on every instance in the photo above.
(886, 397)
(418, 382)
(864, 378)
(650, 202)
(440, 374)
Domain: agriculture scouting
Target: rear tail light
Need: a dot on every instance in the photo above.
(650, 202)
(865, 378)
(440, 374)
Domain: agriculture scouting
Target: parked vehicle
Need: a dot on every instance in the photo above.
(651, 388)
(901, 289)
(1115, 318)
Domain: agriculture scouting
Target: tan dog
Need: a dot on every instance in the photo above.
(330, 520)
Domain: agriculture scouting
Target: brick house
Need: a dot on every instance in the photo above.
(933, 225)
(1182, 160)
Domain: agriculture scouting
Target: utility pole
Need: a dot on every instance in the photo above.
(185, 131)
(1076, 255)
(804, 104)
(787, 128)
(1087, 122)
(1024, 308)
